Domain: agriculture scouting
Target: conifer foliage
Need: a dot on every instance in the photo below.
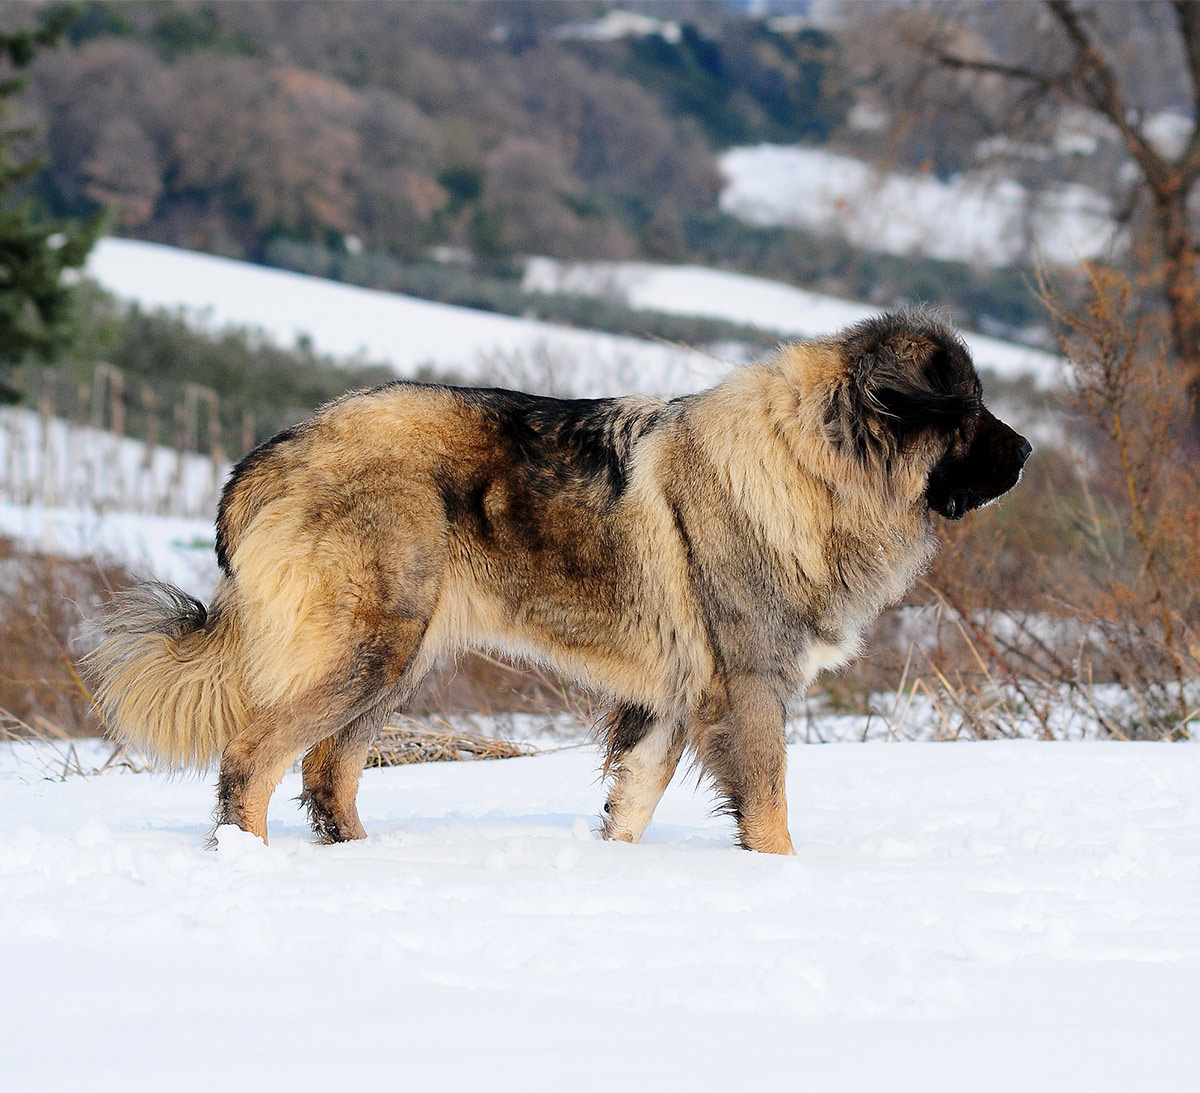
(35, 250)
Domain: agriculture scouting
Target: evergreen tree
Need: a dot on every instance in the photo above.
(35, 250)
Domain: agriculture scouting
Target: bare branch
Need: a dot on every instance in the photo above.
(998, 68)
(1187, 15)
(1099, 82)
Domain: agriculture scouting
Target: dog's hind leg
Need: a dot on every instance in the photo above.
(334, 765)
(332, 768)
(256, 759)
(643, 752)
(346, 708)
(746, 755)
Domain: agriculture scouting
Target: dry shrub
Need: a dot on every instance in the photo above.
(45, 602)
(1073, 608)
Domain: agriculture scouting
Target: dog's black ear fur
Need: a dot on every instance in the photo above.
(905, 373)
(919, 396)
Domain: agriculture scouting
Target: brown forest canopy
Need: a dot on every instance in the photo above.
(225, 125)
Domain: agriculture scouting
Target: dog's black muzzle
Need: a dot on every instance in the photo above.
(990, 468)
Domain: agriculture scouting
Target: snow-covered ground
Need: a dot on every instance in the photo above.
(77, 492)
(406, 333)
(347, 322)
(984, 917)
(988, 917)
(178, 549)
(991, 223)
(772, 305)
(53, 462)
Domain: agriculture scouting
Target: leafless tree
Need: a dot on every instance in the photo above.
(1125, 64)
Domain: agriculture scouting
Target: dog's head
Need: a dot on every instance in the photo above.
(910, 395)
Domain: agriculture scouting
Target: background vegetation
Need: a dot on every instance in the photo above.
(268, 130)
(348, 139)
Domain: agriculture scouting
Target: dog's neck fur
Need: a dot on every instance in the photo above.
(870, 552)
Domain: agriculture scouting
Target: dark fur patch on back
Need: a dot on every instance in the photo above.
(243, 471)
(588, 441)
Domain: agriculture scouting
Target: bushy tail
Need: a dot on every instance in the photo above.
(168, 675)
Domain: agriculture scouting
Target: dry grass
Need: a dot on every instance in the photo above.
(413, 742)
(45, 605)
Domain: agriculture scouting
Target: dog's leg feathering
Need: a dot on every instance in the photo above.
(643, 753)
(746, 757)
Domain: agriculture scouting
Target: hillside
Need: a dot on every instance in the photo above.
(253, 129)
(412, 334)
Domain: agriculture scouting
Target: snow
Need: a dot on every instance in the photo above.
(61, 464)
(977, 916)
(614, 25)
(349, 322)
(178, 549)
(771, 305)
(964, 219)
(74, 491)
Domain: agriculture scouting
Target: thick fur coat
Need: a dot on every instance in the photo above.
(695, 562)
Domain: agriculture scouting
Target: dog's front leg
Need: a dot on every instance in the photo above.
(746, 756)
(643, 752)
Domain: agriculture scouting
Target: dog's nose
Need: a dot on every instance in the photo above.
(1024, 450)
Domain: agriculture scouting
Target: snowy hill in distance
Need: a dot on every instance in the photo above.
(772, 305)
(346, 321)
(961, 219)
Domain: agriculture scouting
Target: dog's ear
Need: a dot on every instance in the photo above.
(915, 388)
(909, 373)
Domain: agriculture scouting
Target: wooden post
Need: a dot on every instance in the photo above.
(247, 431)
(46, 414)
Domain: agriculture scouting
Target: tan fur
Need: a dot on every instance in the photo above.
(177, 700)
(694, 562)
(640, 779)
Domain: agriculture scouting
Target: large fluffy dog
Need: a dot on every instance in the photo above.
(695, 561)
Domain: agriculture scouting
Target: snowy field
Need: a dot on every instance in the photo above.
(60, 464)
(983, 917)
(771, 305)
(167, 548)
(963, 219)
(346, 321)
(349, 322)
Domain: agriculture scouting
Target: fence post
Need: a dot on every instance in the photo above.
(109, 381)
(149, 449)
(46, 414)
(196, 396)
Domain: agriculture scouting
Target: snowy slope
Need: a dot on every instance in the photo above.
(347, 321)
(772, 305)
(983, 917)
(178, 549)
(343, 320)
(962, 219)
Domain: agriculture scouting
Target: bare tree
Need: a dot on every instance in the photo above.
(1085, 56)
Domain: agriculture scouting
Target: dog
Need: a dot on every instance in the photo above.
(695, 562)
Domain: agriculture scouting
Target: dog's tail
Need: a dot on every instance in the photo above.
(168, 674)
